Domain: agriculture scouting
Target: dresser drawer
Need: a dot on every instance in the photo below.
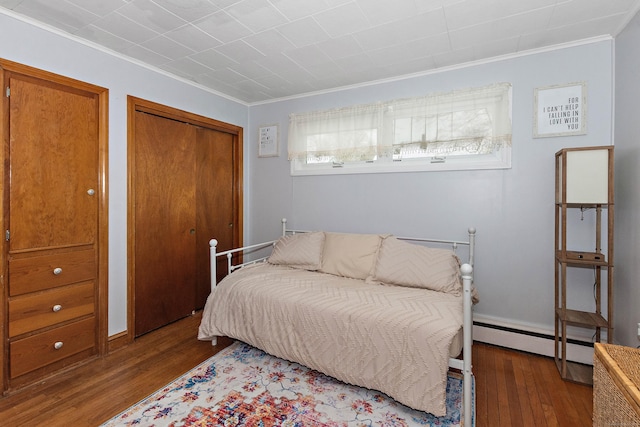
(31, 312)
(36, 351)
(49, 271)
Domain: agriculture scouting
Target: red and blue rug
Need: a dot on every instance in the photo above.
(245, 387)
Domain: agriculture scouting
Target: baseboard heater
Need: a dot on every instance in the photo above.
(530, 341)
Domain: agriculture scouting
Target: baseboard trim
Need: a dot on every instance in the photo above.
(529, 340)
(118, 341)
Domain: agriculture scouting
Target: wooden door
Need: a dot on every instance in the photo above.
(165, 249)
(53, 200)
(215, 207)
(187, 187)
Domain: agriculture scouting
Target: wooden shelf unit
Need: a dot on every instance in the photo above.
(584, 180)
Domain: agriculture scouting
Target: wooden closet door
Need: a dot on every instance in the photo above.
(165, 225)
(216, 203)
(54, 165)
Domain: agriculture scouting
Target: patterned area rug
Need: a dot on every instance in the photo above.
(243, 386)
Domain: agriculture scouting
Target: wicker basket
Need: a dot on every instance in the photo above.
(616, 378)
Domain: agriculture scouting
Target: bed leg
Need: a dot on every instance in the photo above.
(467, 279)
(214, 341)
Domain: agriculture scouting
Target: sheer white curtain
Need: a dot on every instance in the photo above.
(339, 135)
(461, 122)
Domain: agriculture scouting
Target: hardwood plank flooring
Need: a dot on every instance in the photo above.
(520, 389)
(512, 388)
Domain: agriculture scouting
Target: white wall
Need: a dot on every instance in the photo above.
(627, 142)
(36, 47)
(513, 210)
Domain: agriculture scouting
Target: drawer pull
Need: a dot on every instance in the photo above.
(57, 271)
(58, 345)
(57, 308)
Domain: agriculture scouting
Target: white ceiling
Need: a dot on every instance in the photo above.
(258, 50)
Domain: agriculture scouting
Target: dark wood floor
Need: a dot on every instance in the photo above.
(512, 388)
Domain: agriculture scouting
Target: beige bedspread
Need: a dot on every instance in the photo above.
(387, 338)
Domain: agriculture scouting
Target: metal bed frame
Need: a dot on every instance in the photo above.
(466, 270)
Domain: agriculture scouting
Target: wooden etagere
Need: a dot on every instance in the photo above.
(584, 181)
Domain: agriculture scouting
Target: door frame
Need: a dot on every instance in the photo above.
(134, 105)
(102, 236)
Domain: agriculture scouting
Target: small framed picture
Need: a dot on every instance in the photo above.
(560, 110)
(268, 141)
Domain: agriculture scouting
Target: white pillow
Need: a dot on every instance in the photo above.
(350, 255)
(407, 264)
(300, 250)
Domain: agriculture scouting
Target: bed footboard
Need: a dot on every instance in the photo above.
(213, 255)
(213, 260)
(213, 243)
(467, 279)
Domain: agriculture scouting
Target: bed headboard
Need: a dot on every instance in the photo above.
(240, 252)
(454, 244)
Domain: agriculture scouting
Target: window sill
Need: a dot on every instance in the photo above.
(500, 160)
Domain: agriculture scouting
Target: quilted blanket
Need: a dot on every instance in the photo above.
(388, 338)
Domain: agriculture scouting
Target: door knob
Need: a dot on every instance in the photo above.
(91, 191)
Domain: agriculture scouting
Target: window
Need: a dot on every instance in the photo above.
(464, 129)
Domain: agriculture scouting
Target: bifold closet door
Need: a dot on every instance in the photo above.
(215, 207)
(165, 221)
(185, 178)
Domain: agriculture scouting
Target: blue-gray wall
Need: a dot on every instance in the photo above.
(513, 210)
(627, 143)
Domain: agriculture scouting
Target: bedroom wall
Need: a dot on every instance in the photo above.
(513, 209)
(627, 141)
(31, 45)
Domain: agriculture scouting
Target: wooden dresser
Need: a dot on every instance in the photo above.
(54, 205)
(51, 310)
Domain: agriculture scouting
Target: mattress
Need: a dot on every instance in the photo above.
(394, 339)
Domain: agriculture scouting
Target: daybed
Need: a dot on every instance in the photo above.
(377, 311)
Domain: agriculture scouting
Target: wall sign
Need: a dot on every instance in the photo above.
(560, 110)
(268, 141)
